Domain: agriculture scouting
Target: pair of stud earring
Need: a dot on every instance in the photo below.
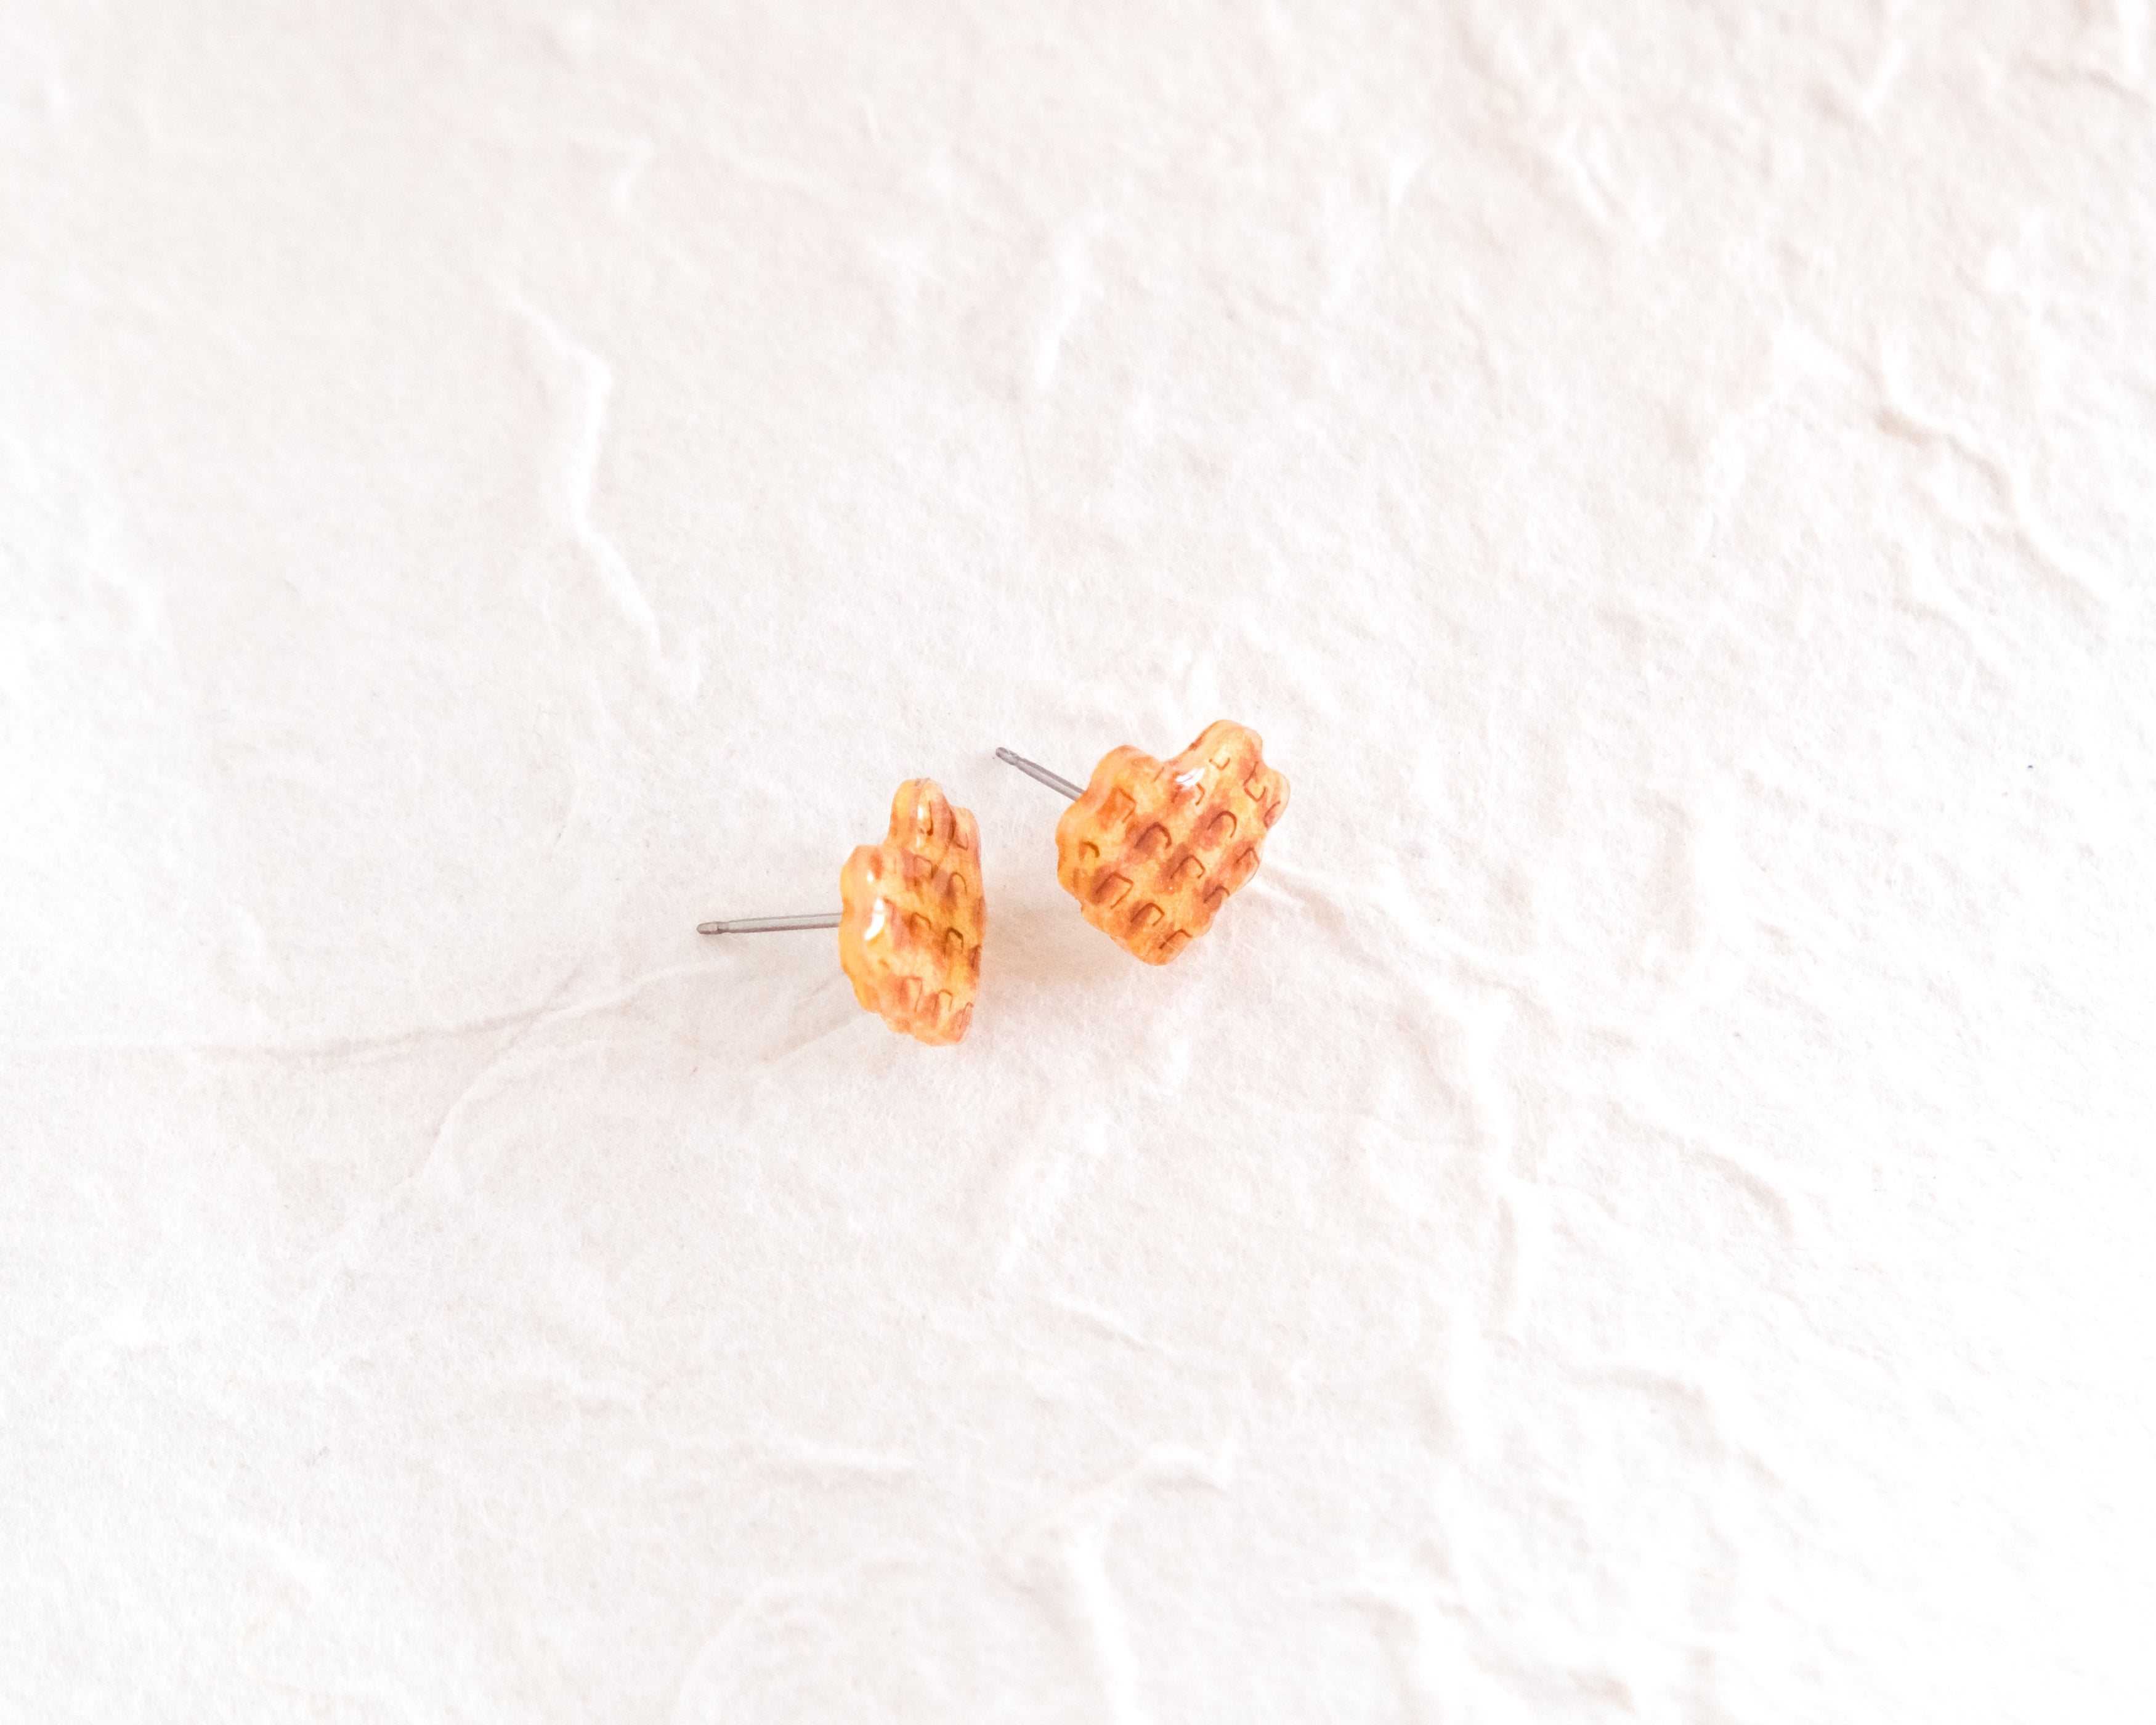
(1151, 849)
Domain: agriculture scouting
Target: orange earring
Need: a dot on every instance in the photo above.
(1151, 849)
(910, 931)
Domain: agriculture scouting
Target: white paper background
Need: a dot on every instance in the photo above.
(1640, 1211)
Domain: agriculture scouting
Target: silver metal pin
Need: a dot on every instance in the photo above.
(767, 925)
(1034, 769)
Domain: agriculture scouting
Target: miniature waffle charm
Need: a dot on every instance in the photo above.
(1152, 849)
(910, 933)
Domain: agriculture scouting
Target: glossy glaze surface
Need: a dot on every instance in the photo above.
(910, 934)
(1153, 849)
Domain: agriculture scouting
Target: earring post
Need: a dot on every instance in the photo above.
(767, 925)
(1034, 769)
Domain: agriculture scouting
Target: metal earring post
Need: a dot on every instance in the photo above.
(1034, 769)
(773, 925)
(767, 925)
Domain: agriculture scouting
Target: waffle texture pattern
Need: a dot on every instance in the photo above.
(910, 934)
(1154, 849)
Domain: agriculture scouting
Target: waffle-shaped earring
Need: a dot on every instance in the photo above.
(1151, 849)
(910, 931)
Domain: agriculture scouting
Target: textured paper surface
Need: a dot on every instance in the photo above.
(1642, 1210)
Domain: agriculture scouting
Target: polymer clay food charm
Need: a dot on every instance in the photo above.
(1151, 849)
(910, 936)
(910, 931)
